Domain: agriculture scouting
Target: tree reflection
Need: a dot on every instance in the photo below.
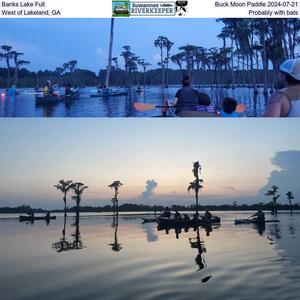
(115, 246)
(196, 243)
(74, 244)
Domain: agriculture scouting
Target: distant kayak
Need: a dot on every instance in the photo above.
(146, 220)
(111, 93)
(29, 218)
(247, 221)
(49, 99)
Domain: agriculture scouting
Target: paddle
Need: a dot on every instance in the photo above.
(148, 106)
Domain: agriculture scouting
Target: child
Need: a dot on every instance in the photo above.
(204, 103)
(229, 108)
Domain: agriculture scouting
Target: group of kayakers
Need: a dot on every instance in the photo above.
(52, 89)
(258, 217)
(177, 216)
(103, 89)
(284, 103)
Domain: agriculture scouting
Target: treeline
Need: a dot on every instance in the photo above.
(254, 48)
(203, 78)
(26, 78)
(127, 207)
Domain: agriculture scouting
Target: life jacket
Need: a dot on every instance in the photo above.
(46, 90)
(293, 94)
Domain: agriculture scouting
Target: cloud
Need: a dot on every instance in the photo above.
(228, 188)
(100, 52)
(286, 174)
(151, 185)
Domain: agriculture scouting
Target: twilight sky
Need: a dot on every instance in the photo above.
(239, 158)
(48, 43)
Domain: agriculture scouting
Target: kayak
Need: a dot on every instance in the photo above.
(49, 99)
(171, 223)
(247, 221)
(110, 94)
(29, 218)
(149, 220)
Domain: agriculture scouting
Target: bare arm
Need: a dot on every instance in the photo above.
(175, 101)
(278, 106)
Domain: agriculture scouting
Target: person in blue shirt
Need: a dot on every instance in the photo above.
(12, 91)
(229, 108)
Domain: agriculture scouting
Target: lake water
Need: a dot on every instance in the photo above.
(130, 260)
(119, 106)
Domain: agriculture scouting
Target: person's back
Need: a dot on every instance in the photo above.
(186, 98)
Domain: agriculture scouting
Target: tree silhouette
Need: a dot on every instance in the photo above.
(108, 70)
(115, 185)
(290, 197)
(196, 184)
(78, 189)
(274, 193)
(64, 187)
(7, 56)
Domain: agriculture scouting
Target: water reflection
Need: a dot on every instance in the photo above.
(115, 246)
(227, 261)
(149, 230)
(74, 244)
(198, 244)
(122, 106)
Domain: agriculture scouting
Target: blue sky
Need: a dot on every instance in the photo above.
(239, 158)
(48, 43)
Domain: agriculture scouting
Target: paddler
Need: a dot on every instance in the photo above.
(259, 216)
(286, 101)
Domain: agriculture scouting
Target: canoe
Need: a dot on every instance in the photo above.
(247, 221)
(29, 218)
(172, 223)
(49, 99)
(110, 94)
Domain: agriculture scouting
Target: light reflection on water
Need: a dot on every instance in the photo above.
(233, 262)
(120, 106)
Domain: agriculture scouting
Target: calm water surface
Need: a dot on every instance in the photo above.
(130, 260)
(119, 106)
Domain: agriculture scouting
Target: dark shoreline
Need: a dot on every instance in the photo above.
(134, 208)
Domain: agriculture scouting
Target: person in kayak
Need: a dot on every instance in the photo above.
(48, 88)
(186, 217)
(229, 108)
(204, 103)
(259, 216)
(286, 101)
(207, 216)
(69, 91)
(166, 213)
(186, 98)
(177, 215)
